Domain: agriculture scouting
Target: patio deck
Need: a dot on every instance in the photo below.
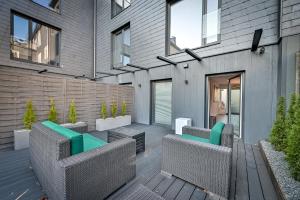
(250, 179)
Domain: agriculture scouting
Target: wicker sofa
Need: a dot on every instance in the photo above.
(206, 165)
(88, 175)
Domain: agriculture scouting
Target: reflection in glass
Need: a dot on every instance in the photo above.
(119, 5)
(20, 44)
(34, 42)
(185, 25)
(50, 4)
(121, 47)
(163, 102)
(211, 22)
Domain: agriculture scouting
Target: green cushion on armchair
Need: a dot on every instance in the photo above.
(194, 138)
(76, 139)
(216, 133)
(90, 142)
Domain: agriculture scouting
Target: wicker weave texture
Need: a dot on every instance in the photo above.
(205, 165)
(89, 175)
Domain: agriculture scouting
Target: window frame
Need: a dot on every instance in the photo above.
(203, 40)
(113, 34)
(30, 20)
(112, 8)
(52, 10)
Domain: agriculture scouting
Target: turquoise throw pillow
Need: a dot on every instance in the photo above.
(76, 139)
(216, 133)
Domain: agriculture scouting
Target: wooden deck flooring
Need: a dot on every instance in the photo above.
(250, 179)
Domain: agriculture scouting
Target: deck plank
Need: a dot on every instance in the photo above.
(198, 194)
(186, 192)
(268, 188)
(155, 181)
(175, 188)
(233, 171)
(164, 185)
(242, 192)
(255, 191)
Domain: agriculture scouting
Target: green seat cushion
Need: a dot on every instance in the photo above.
(76, 139)
(194, 138)
(216, 133)
(90, 142)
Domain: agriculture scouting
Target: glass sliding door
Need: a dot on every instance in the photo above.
(234, 98)
(162, 102)
(224, 100)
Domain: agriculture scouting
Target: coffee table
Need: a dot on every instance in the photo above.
(124, 132)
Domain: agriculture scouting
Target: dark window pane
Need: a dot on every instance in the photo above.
(185, 25)
(50, 4)
(211, 22)
(119, 5)
(39, 43)
(34, 42)
(20, 44)
(121, 47)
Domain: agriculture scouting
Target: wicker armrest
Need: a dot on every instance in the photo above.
(205, 165)
(101, 171)
(195, 131)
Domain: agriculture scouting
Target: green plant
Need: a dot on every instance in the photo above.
(290, 119)
(114, 109)
(103, 113)
(52, 116)
(72, 112)
(29, 116)
(278, 130)
(293, 144)
(124, 108)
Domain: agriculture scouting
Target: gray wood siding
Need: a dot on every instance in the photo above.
(17, 86)
(147, 19)
(290, 17)
(76, 22)
(189, 100)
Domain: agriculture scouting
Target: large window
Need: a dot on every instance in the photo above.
(119, 5)
(121, 47)
(33, 41)
(50, 4)
(192, 24)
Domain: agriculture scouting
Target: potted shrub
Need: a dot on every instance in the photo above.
(21, 137)
(282, 153)
(72, 119)
(106, 123)
(52, 116)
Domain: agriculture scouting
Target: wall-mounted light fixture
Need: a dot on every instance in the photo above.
(42, 71)
(140, 85)
(256, 39)
(185, 67)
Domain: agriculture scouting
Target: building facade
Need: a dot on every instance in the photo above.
(227, 82)
(230, 83)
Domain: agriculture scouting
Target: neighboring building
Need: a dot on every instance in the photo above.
(56, 35)
(231, 83)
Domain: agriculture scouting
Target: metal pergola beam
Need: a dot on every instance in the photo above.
(193, 54)
(138, 67)
(106, 73)
(166, 60)
(124, 70)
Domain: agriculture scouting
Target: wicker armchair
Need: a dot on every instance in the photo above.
(206, 165)
(89, 175)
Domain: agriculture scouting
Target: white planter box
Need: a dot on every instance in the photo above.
(21, 138)
(181, 122)
(111, 123)
(78, 126)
